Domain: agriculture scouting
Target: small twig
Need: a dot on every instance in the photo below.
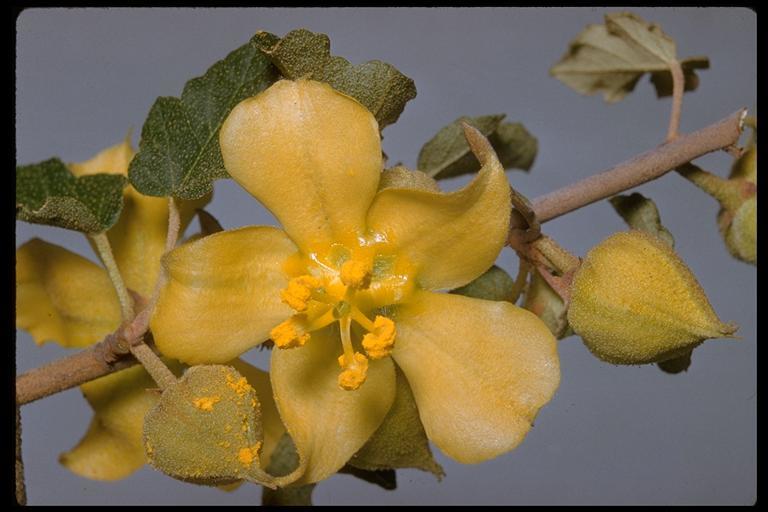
(154, 365)
(638, 170)
(21, 489)
(105, 253)
(678, 89)
(71, 371)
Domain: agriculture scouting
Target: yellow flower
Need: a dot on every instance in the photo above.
(348, 289)
(65, 298)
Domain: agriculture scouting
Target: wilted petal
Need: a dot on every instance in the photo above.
(327, 424)
(450, 238)
(63, 297)
(310, 154)
(479, 370)
(223, 294)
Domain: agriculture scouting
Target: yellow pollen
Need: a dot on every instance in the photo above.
(247, 455)
(240, 386)
(356, 274)
(205, 403)
(289, 334)
(354, 373)
(299, 291)
(380, 341)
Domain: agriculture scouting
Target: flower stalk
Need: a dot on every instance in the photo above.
(105, 253)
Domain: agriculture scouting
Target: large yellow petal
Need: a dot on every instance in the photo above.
(450, 238)
(112, 447)
(327, 424)
(223, 294)
(63, 297)
(270, 419)
(479, 370)
(310, 154)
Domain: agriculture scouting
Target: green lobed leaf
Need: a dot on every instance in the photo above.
(493, 284)
(380, 87)
(48, 193)
(206, 429)
(179, 153)
(447, 154)
(544, 302)
(400, 441)
(284, 460)
(611, 58)
(641, 213)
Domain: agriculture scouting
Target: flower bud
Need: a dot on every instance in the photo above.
(634, 301)
(738, 223)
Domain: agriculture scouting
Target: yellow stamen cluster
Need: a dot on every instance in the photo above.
(289, 334)
(299, 291)
(356, 274)
(354, 372)
(380, 341)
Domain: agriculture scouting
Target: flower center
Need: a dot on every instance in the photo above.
(348, 287)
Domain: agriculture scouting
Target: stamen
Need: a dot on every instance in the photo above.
(356, 274)
(346, 339)
(290, 333)
(354, 372)
(363, 320)
(299, 292)
(379, 342)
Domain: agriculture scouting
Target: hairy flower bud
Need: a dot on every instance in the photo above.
(738, 224)
(634, 301)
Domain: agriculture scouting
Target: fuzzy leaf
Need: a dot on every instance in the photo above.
(447, 154)
(400, 441)
(380, 87)
(48, 193)
(179, 152)
(206, 429)
(611, 58)
(641, 213)
(284, 460)
(494, 284)
(544, 302)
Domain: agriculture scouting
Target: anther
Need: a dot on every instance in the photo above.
(355, 371)
(356, 274)
(289, 334)
(379, 342)
(299, 292)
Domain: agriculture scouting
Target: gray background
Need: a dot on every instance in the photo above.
(611, 435)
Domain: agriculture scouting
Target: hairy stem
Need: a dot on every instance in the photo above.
(92, 363)
(105, 253)
(154, 366)
(678, 88)
(71, 371)
(640, 169)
